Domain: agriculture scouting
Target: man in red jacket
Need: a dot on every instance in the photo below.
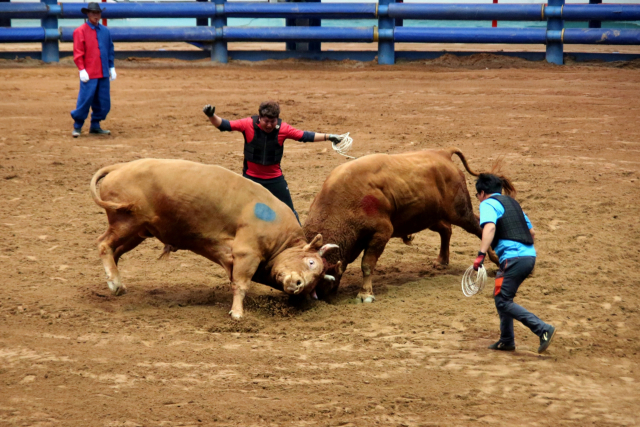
(264, 137)
(94, 56)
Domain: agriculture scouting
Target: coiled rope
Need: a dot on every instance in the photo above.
(344, 146)
(473, 283)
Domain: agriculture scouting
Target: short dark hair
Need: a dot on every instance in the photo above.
(489, 183)
(270, 109)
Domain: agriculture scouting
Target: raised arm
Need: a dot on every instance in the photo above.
(210, 111)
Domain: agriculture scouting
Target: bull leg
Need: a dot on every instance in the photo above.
(126, 247)
(106, 243)
(244, 267)
(471, 224)
(444, 229)
(369, 260)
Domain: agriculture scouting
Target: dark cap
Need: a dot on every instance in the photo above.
(92, 7)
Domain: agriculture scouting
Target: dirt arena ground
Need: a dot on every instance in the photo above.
(166, 353)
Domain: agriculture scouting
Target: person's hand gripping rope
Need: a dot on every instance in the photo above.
(479, 260)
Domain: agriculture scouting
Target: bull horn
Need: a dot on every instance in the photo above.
(329, 278)
(317, 241)
(326, 248)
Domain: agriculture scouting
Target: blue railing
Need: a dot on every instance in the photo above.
(385, 34)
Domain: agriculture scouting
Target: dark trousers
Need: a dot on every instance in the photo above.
(279, 188)
(512, 273)
(93, 94)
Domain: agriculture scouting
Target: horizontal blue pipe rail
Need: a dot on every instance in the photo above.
(207, 34)
(301, 10)
(600, 36)
(152, 34)
(475, 12)
(24, 10)
(356, 34)
(195, 10)
(478, 12)
(298, 34)
(21, 35)
(601, 12)
(470, 35)
(144, 10)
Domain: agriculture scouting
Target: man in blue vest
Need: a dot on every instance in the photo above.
(507, 229)
(94, 56)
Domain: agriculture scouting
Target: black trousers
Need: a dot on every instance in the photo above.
(279, 188)
(513, 272)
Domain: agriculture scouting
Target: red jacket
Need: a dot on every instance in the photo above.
(93, 50)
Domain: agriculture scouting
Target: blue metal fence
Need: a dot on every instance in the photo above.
(386, 34)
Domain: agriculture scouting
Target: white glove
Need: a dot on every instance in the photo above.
(112, 73)
(84, 76)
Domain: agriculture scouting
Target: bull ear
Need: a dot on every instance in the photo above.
(339, 269)
(315, 243)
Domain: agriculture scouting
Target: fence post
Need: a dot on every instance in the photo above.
(5, 22)
(50, 48)
(555, 54)
(219, 47)
(386, 26)
(304, 22)
(595, 24)
(399, 21)
(202, 22)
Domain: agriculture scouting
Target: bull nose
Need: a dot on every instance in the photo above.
(295, 286)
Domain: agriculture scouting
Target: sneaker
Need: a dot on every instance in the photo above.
(546, 338)
(76, 132)
(502, 346)
(100, 131)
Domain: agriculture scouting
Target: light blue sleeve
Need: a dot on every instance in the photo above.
(490, 211)
(526, 218)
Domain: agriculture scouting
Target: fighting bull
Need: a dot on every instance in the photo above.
(364, 203)
(212, 212)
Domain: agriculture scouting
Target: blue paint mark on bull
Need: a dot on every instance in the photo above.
(264, 212)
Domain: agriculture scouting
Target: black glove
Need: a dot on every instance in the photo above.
(209, 110)
(335, 138)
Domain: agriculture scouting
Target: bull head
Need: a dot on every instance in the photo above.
(299, 269)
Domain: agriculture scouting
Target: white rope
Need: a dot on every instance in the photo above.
(344, 146)
(473, 283)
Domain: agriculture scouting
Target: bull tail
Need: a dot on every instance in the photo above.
(166, 252)
(455, 150)
(94, 190)
(507, 186)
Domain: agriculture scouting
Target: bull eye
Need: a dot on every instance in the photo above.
(312, 262)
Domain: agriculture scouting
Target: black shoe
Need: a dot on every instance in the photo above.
(502, 346)
(100, 131)
(76, 132)
(546, 338)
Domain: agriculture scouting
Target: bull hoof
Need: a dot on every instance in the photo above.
(367, 299)
(407, 240)
(438, 265)
(116, 289)
(235, 316)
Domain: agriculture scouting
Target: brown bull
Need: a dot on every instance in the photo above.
(366, 202)
(211, 211)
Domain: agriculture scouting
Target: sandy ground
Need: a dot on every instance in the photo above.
(166, 353)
